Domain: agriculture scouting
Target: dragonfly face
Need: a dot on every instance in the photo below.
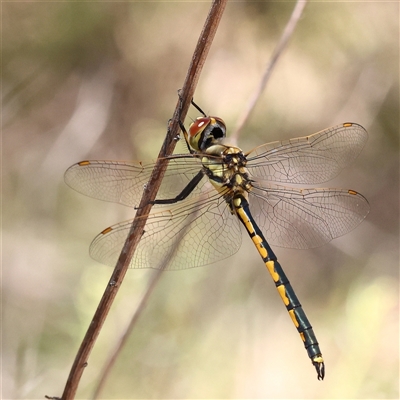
(208, 194)
(206, 131)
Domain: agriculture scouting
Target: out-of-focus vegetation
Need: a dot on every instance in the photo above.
(99, 80)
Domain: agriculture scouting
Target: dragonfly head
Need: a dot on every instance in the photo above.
(205, 132)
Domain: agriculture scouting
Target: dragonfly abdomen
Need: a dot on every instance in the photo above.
(297, 314)
(285, 289)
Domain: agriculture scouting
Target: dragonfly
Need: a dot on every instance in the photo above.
(208, 191)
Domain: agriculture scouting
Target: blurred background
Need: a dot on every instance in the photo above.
(99, 80)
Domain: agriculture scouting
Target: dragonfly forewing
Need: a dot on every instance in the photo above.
(123, 182)
(308, 160)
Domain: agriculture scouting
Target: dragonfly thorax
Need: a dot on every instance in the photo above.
(225, 166)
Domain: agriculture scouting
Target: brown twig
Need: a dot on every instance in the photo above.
(283, 41)
(149, 195)
(120, 345)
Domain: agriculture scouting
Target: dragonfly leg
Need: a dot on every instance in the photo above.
(185, 192)
(181, 125)
(198, 108)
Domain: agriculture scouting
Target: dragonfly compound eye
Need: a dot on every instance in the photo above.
(206, 131)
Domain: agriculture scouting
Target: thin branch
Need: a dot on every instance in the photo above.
(137, 229)
(120, 345)
(287, 33)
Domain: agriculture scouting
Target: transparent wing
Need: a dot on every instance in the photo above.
(305, 218)
(308, 160)
(193, 233)
(123, 182)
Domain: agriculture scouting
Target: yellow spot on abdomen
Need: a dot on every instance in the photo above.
(261, 250)
(271, 269)
(294, 319)
(258, 242)
(282, 292)
(236, 203)
(243, 216)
